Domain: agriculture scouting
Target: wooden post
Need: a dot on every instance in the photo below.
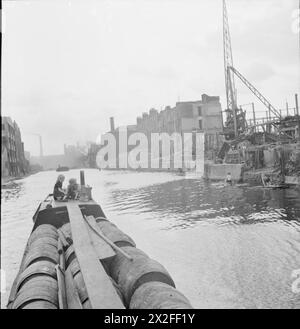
(235, 123)
(282, 162)
(297, 111)
(61, 288)
(254, 119)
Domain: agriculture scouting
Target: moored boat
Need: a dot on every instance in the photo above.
(62, 168)
(75, 258)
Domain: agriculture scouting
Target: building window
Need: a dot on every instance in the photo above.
(200, 111)
(200, 125)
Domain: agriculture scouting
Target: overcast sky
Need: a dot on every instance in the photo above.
(67, 66)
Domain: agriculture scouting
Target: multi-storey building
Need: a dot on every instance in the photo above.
(13, 159)
(204, 115)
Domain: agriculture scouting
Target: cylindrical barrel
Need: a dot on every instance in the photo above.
(38, 235)
(69, 255)
(36, 293)
(67, 232)
(43, 241)
(158, 295)
(39, 281)
(40, 304)
(74, 267)
(44, 230)
(114, 234)
(131, 274)
(66, 228)
(41, 252)
(42, 268)
(80, 286)
(46, 227)
(78, 280)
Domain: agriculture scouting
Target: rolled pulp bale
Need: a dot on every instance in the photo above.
(43, 231)
(43, 240)
(69, 255)
(129, 275)
(80, 284)
(40, 304)
(112, 232)
(39, 281)
(41, 268)
(158, 295)
(78, 280)
(29, 296)
(39, 293)
(74, 266)
(41, 252)
(66, 230)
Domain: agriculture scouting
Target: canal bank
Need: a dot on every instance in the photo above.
(10, 182)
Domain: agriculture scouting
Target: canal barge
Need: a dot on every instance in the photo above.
(62, 168)
(75, 258)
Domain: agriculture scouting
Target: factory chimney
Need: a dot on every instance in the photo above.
(112, 124)
(41, 146)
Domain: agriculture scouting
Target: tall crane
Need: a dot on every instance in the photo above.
(228, 62)
(236, 118)
(255, 92)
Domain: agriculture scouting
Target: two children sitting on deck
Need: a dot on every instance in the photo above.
(61, 194)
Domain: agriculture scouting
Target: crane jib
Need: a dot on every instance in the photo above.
(255, 91)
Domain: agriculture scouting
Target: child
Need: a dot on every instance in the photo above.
(72, 189)
(228, 179)
(58, 191)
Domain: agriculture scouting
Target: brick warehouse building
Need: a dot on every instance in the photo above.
(13, 161)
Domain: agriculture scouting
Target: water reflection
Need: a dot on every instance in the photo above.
(196, 201)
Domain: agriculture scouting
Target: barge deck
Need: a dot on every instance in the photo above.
(75, 258)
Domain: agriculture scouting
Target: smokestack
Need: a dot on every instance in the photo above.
(112, 124)
(297, 112)
(41, 146)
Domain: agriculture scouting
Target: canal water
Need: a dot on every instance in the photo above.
(224, 246)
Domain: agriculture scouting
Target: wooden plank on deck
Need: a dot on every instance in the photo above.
(103, 250)
(102, 294)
